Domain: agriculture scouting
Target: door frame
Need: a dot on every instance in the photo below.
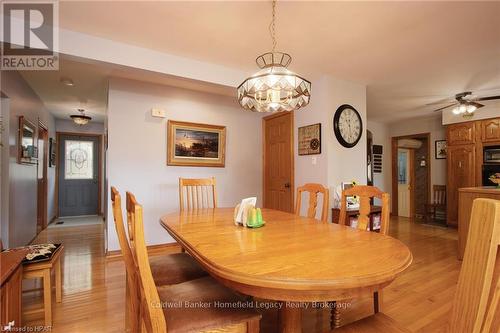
(292, 155)
(45, 193)
(394, 174)
(99, 163)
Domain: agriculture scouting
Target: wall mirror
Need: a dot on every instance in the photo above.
(26, 148)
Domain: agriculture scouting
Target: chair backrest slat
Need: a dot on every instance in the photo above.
(197, 193)
(439, 194)
(128, 258)
(313, 189)
(476, 275)
(151, 303)
(365, 193)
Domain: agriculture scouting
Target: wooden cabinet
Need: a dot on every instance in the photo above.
(490, 130)
(11, 274)
(462, 133)
(461, 173)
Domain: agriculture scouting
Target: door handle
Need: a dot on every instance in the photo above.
(287, 185)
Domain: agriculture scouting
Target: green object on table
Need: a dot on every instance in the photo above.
(255, 218)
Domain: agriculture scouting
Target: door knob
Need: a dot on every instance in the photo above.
(287, 185)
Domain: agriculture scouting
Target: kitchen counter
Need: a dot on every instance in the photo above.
(466, 196)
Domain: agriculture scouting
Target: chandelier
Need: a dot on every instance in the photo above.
(80, 119)
(274, 88)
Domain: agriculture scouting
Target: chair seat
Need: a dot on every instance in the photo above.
(174, 268)
(378, 323)
(191, 306)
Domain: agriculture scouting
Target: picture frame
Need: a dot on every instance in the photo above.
(52, 152)
(194, 144)
(27, 150)
(440, 149)
(309, 139)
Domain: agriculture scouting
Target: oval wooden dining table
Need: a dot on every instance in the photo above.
(291, 259)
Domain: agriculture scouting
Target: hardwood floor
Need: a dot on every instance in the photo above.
(94, 287)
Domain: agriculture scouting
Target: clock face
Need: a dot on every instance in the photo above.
(347, 126)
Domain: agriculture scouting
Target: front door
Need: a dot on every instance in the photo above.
(78, 175)
(404, 182)
(278, 161)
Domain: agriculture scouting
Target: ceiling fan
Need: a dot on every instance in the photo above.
(466, 104)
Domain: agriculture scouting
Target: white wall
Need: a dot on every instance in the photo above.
(336, 163)
(382, 137)
(22, 195)
(137, 149)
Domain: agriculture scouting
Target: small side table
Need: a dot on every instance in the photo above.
(374, 210)
(43, 269)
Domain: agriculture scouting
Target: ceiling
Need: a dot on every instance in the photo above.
(90, 89)
(408, 54)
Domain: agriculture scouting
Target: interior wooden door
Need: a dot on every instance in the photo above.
(278, 161)
(460, 174)
(404, 182)
(43, 142)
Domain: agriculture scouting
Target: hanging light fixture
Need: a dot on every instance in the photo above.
(80, 119)
(466, 109)
(274, 88)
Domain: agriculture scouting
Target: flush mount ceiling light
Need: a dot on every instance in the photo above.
(80, 119)
(67, 81)
(274, 88)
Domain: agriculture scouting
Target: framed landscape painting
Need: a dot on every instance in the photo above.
(192, 144)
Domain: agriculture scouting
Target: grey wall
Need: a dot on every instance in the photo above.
(21, 198)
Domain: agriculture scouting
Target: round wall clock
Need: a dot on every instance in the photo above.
(347, 125)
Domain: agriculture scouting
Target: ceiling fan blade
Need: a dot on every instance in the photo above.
(445, 107)
(488, 98)
(476, 104)
(443, 101)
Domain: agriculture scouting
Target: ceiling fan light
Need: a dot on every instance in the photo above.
(462, 108)
(471, 108)
(456, 111)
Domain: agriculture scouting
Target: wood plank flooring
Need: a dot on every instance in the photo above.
(94, 287)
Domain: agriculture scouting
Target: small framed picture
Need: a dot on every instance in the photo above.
(310, 140)
(441, 149)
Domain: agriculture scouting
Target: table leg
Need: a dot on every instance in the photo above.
(47, 297)
(58, 281)
(290, 318)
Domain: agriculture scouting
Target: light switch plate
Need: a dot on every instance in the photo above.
(160, 113)
(314, 160)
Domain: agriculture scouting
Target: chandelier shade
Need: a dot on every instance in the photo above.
(274, 88)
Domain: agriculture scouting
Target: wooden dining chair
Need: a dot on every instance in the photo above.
(197, 193)
(165, 310)
(476, 303)
(167, 269)
(365, 194)
(313, 189)
(438, 203)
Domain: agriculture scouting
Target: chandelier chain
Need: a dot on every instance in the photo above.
(272, 26)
